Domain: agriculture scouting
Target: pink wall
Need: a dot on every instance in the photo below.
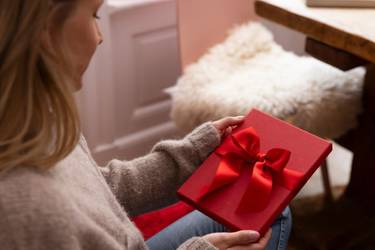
(203, 23)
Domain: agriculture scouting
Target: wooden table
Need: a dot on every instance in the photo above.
(344, 38)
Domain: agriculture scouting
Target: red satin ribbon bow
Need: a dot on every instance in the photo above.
(242, 149)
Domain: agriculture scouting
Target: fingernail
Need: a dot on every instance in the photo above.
(253, 235)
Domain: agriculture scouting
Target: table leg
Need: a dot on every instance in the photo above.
(361, 141)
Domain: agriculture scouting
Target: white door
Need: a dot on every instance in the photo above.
(123, 107)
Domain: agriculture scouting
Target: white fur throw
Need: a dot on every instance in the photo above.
(249, 70)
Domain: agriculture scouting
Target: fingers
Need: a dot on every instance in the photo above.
(224, 126)
(240, 240)
(264, 240)
(228, 131)
(231, 121)
(260, 245)
(242, 237)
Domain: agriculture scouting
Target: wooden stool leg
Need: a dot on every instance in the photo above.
(326, 182)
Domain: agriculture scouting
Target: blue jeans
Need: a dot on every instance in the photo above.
(198, 224)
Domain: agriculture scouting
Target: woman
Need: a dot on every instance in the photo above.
(52, 193)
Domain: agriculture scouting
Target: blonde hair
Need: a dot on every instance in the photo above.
(39, 124)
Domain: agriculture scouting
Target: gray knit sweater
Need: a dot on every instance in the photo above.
(79, 205)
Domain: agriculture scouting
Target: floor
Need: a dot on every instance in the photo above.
(322, 225)
(318, 225)
(339, 166)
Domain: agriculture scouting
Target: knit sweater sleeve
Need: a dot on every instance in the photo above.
(197, 243)
(37, 215)
(150, 182)
(27, 231)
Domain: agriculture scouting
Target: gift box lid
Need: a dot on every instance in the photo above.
(306, 154)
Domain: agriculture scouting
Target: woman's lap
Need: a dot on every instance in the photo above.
(198, 224)
(280, 231)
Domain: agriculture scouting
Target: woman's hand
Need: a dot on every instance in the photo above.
(240, 240)
(225, 125)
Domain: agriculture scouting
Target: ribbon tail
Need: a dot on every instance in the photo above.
(258, 192)
(226, 173)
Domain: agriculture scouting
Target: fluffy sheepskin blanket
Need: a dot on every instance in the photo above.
(249, 70)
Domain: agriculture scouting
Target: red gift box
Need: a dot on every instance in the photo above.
(254, 174)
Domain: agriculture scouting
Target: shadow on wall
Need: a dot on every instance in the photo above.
(289, 39)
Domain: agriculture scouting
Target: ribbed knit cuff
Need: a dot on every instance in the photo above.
(205, 139)
(196, 243)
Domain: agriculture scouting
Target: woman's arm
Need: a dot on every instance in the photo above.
(151, 181)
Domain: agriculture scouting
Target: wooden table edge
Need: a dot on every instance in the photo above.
(337, 38)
